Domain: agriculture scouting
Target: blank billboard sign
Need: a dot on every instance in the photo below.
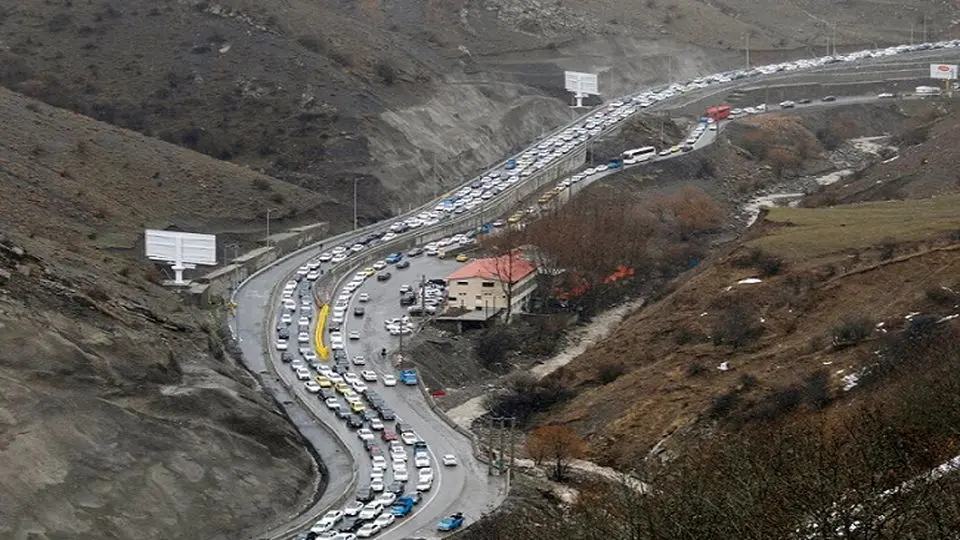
(182, 250)
(943, 71)
(581, 83)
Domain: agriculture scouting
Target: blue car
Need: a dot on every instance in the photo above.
(511, 164)
(394, 258)
(450, 523)
(402, 506)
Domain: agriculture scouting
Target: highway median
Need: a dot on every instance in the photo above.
(322, 351)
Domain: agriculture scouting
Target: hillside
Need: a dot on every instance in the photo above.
(122, 416)
(405, 98)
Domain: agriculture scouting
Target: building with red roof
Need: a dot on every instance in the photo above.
(485, 284)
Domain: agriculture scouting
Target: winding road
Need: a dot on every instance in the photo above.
(467, 487)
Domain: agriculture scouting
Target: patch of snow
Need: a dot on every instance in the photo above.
(224, 49)
(949, 318)
(909, 316)
(850, 381)
(833, 177)
(827, 363)
(725, 366)
(870, 145)
(704, 314)
(752, 208)
(894, 158)
(749, 280)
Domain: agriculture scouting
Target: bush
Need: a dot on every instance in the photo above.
(723, 405)
(942, 296)
(737, 326)
(493, 345)
(610, 371)
(767, 264)
(776, 404)
(95, 292)
(695, 368)
(816, 389)
(261, 184)
(851, 331)
(312, 43)
(386, 72)
(526, 396)
(747, 382)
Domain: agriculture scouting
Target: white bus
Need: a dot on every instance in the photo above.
(640, 154)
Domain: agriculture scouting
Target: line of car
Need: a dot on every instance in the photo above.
(467, 198)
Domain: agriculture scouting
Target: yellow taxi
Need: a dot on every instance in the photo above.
(341, 387)
(514, 218)
(323, 382)
(357, 407)
(462, 258)
(370, 271)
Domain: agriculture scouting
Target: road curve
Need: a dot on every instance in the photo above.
(251, 330)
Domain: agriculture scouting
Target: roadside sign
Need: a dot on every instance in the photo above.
(943, 71)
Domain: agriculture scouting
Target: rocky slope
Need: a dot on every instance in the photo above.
(121, 416)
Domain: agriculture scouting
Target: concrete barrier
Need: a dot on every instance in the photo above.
(322, 351)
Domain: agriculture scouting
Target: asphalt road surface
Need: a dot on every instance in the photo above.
(465, 488)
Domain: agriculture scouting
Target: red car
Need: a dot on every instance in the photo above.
(388, 435)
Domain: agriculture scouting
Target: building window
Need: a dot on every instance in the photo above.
(478, 297)
(488, 284)
(452, 298)
(464, 283)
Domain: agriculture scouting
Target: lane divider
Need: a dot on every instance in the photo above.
(322, 351)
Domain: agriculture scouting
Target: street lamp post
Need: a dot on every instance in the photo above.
(747, 49)
(268, 225)
(355, 203)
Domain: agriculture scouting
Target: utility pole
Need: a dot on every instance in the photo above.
(489, 426)
(834, 40)
(748, 49)
(423, 297)
(503, 443)
(911, 32)
(268, 226)
(924, 27)
(355, 203)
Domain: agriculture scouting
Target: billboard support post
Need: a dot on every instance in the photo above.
(182, 250)
(581, 84)
(947, 73)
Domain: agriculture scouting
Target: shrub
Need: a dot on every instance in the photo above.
(342, 59)
(747, 382)
(527, 396)
(610, 371)
(852, 331)
(386, 72)
(723, 405)
(261, 184)
(695, 368)
(493, 345)
(736, 326)
(312, 43)
(816, 389)
(96, 293)
(776, 404)
(887, 248)
(942, 296)
(277, 198)
(766, 263)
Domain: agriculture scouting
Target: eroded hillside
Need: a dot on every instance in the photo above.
(121, 415)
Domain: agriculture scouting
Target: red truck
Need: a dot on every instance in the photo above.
(720, 112)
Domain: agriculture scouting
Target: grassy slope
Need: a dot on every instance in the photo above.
(831, 273)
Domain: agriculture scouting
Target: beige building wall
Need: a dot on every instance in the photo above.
(479, 293)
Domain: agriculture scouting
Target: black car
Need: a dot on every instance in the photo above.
(283, 333)
(358, 311)
(354, 422)
(415, 252)
(369, 415)
(396, 488)
(343, 415)
(403, 264)
(368, 444)
(384, 276)
(340, 369)
(333, 328)
(340, 355)
(804, 101)
(286, 357)
(438, 281)
(365, 494)
(326, 393)
(350, 525)
(388, 414)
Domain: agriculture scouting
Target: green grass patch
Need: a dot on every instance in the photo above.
(810, 232)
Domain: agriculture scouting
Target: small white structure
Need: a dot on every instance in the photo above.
(184, 251)
(581, 84)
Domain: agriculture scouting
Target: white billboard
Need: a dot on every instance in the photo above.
(943, 71)
(581, 83)
(181, 249)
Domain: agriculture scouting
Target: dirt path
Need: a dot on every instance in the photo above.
(581, 339)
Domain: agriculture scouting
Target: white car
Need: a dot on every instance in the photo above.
(389, 380)
(425, 475)
(380, 265)
(424, 486)
(282, 345)
(363, 297)
(303, 374)
(325, 257)
(354, 335)
(409, 437)
(353, 508)
(449, 460)
(400, 476)
(350, 377)
(387, 498)
(421, 459)
(385, 520)
(377, 473)
(312, 387)
(368, 530)
(369, 375)
(303, 321)
(359, 360)
(398, 454)
(358, 387)
(313, 275)
(379, 462)
(303, 337)
(308, 355)
(286, 318)
(371, 510)
(333, 403)
(365, 434)
(376, 485)
(376, 424)
(331, 518)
